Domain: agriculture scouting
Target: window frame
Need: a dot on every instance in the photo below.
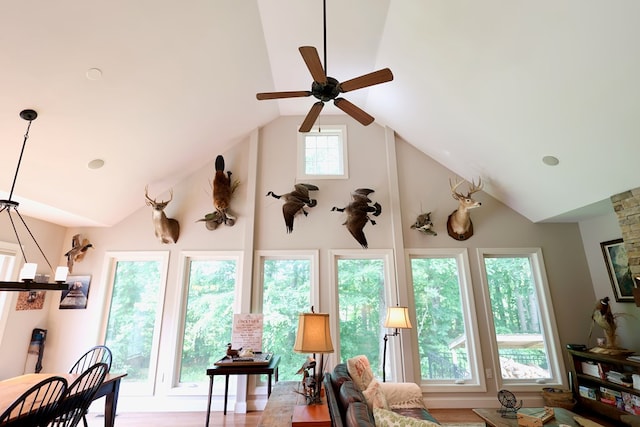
(189, 388)
(9, 273)
(547, 316)
(395, 360)
(341, 131)
(111, 259)
(477, 383)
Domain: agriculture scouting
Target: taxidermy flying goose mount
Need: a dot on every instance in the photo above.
(326, 88)
(77, 252)
(295, 201)
(358, 214)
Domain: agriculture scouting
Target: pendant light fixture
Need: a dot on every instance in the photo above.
(28, 271)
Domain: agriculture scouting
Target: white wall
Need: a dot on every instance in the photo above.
(423, 184)
(593, 232)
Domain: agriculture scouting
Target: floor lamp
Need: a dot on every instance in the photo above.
(314, 336)
(397, 318)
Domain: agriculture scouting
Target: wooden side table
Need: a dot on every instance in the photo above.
(285, 401)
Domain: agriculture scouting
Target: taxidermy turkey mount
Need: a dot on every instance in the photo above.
(327, 88)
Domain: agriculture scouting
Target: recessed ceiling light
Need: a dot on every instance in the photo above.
(95, 164)
(550, 160)
(94, 74)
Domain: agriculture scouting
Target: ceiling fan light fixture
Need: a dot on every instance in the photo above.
(327, 88)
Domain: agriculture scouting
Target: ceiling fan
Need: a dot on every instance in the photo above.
(327, 88)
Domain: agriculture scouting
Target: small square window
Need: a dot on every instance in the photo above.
(322, 153)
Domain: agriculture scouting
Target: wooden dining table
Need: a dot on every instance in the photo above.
(12, 388)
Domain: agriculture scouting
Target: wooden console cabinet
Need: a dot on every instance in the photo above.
(589, 371)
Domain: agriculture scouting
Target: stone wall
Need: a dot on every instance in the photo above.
(627, 207)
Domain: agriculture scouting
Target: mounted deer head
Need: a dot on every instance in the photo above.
(459, 225)
(167, 229)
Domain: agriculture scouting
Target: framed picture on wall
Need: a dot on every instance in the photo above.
(615, 258)
(77, 294)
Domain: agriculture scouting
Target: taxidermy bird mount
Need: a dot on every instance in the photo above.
(603, 317)
(78, 251)
(223, 189)
(358, 214)
(326, 88)
(295, 201)
(424, 225)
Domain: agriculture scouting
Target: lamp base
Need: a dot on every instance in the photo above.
(316, 415)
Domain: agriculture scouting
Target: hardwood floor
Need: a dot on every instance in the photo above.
(250, 419)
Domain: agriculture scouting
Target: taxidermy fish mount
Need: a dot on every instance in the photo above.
(295, 201)
(358, 214)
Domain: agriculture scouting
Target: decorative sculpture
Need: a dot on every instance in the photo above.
(358, 214)
(295, 201)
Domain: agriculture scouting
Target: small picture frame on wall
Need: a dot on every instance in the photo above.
(615, 258)
(78, 293)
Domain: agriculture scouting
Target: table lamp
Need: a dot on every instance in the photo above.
(314, 336)
(397, 318)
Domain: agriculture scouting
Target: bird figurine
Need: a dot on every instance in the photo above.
(310, 363)
(77, 252)
(603, 317)
(223, 189)
(231, 353)
(358, 214)
(295, 201)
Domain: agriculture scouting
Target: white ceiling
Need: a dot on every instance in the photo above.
(487, 88)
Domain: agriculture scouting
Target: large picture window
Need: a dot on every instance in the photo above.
(525, 341)
(288, 287)
(445, 319)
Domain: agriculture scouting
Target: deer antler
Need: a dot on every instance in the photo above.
(454, 186)
(146, 195)
(474, 188)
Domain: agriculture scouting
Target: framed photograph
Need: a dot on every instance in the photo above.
(615, 258)
(77, 294)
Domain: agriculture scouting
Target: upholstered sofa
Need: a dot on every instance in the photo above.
(354, 395)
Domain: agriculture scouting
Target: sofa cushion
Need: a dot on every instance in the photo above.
(358, 415)
(339, 375)
(360, 371)
(349, 393)
(386, 418)
(374, 396)
(419, 413)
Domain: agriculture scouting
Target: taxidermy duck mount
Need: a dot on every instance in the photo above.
(223, 189)
(358, 214)
(78, 250)
(295, 201)
(424, 225)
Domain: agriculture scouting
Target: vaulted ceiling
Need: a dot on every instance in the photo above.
(157, 88)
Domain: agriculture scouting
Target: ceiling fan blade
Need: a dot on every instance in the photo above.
(377, 77)
(312, 59)
(312, 116)
(277, 95)
(355, 112)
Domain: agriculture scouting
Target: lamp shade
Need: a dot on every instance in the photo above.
(397, 317)
(314, 334)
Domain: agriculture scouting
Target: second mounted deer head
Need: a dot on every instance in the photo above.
(459, 225)
(167, 229)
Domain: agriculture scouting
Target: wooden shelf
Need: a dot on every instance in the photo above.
(608, 362)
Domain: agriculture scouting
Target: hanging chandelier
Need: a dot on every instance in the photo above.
(28, 271)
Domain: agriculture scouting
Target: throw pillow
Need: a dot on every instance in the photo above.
(360, 371)
(374, 396)
(386, 418)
